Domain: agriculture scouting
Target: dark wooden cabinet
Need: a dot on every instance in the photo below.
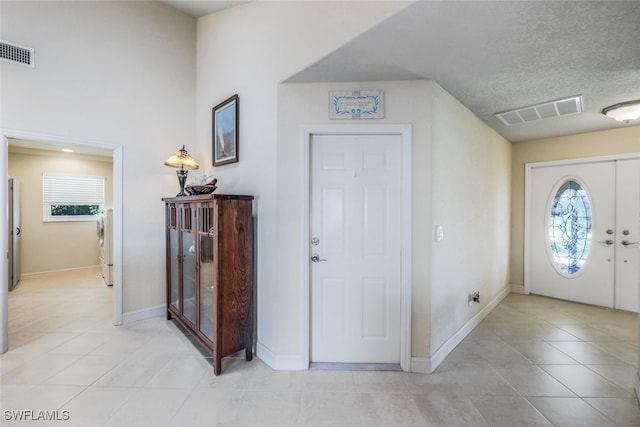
(210, 271)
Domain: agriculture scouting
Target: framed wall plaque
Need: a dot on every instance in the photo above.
(356, 104)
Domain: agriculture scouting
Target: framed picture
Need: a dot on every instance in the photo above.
(225, 132)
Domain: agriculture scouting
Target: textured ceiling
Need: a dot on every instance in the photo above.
(496, 56)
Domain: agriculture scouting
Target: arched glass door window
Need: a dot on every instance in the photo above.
(570, 227)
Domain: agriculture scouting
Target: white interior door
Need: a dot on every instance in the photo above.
(17, 234)
(356, 248)
(583, 225)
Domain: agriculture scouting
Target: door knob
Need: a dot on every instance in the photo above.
(316, 258)
(628, 243)
(607, 242)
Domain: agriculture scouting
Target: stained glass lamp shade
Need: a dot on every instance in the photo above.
(183, 161)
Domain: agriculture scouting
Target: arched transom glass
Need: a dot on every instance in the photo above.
(570, 227)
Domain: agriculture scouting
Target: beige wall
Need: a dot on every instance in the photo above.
(118, 73)
(618, 141)
(48, 246)
(471, 199)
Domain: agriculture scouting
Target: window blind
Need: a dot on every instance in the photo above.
(72, 190)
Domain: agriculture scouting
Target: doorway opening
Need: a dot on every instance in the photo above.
(47, 142)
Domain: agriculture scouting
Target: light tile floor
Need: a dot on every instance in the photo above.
(532, 362)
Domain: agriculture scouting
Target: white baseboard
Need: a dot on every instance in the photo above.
(517, 289)
(62, 270)
(286, 362)
(145, 313)
(421, 365)
(425, 365)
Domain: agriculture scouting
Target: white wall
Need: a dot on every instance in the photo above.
(120, 73)
(49, 246)
(461, 179)
(406, 102)
(248, 50)
(471, 200)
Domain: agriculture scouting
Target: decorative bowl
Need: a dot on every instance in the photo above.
(195, 189)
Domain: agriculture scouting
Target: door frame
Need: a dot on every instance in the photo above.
(405, 133)
(527, 203)
(117, 156)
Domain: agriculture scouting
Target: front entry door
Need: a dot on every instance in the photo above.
(627, 234)
(355, 208)
(583, 228)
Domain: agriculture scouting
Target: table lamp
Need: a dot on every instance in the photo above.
(183, 161)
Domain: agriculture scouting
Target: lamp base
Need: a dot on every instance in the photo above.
(182, 179)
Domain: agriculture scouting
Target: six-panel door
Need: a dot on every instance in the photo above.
(356, 248)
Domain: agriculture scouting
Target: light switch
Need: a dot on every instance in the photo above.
(439, 233)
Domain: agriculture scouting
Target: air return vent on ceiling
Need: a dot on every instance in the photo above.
(16, 53)
(546, 110)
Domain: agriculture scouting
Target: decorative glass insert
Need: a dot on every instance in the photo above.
(570, 227)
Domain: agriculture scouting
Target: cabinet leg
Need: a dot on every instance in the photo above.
(217, 366)
(248, 347)
(169, 317)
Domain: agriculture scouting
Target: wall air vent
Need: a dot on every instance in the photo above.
(16, 53)
(546, 110)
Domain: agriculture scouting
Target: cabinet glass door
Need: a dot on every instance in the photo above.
(174, 265)
(188, 277)
(206, 286)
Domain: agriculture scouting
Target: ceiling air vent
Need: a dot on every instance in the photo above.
(16, 53)
(546, 110)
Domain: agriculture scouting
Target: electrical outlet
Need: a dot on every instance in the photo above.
(474, 297)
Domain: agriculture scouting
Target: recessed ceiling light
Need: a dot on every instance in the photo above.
(623, 112)
(67, 150)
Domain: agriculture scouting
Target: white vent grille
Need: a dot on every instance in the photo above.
(546, 110)
(16, 53)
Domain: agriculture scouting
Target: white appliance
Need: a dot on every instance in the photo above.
(14, 232)
(105, 240)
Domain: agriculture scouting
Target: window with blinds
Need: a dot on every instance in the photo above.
(72, 198)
